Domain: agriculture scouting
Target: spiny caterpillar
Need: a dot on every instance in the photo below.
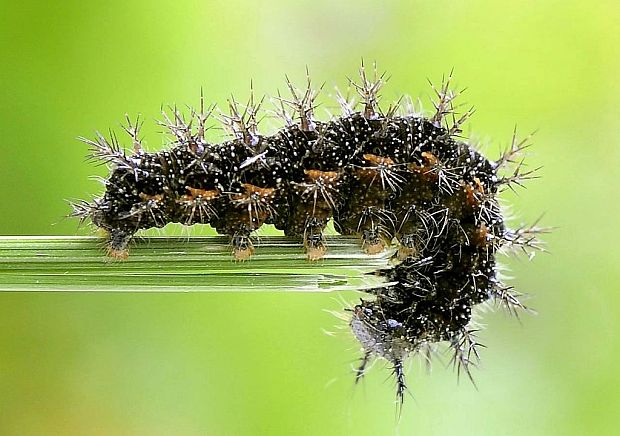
(390, 177)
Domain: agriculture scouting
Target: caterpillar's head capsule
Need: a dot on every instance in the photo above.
(384, 337)
(379, 335)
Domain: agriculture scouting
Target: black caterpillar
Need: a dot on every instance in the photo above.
(387, 176)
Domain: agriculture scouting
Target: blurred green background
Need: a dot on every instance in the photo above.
(260, 364)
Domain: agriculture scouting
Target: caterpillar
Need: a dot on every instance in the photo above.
(391, 177)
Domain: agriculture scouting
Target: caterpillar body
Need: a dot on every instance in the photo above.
(389, 177)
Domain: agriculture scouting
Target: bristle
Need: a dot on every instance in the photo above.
(81, 209)
(303, 103)
(133, 130)
(444, 102)
(242, 121)
(466, 353)
(512, 154)
(107, 151)
(360, 371)
(368, 90)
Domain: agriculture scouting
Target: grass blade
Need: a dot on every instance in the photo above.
(169, 264)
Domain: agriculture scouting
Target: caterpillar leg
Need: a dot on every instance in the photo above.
(407, 247)
(246, 212)
(118, 243)
(319, 200)
(373, 240)
(243, 248)
(373, 225)
(314, 240)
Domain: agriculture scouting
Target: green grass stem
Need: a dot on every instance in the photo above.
(190, 264)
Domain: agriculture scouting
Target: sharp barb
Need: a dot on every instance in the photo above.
(360, 371)
(526, 238)
(515, 150)
(466, 352)
(133, 130)
(368, 89)
(401, 385)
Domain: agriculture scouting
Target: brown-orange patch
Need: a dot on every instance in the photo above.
(315, 175)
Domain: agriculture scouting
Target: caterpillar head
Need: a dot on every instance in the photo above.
(381, 336)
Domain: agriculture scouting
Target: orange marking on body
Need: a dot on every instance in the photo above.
(378, 160)
(430, 162)
(480, 237)
(207, 194)
(253, 205)
(253, 191)
(314, 175)
(472, 191)
(262, 192)
(426, 170)
(479, 185)
(146, 197)
(430, 158)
